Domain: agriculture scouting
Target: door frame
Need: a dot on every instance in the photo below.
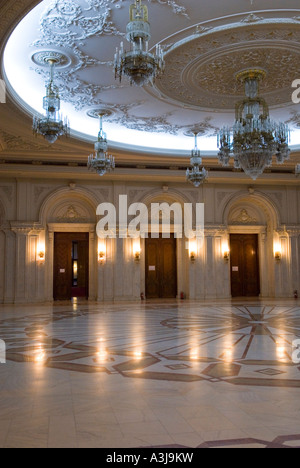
(93, 248)
(257, 269)
(182, 277)
(176, 260)
(263, 253)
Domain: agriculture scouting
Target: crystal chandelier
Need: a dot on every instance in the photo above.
(195, 174)
(139, 65)
(100, 162)
(51, 126)
(255, 138)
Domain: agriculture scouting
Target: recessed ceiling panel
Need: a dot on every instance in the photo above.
(206, 45)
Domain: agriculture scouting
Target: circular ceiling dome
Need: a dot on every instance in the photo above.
(204, 52)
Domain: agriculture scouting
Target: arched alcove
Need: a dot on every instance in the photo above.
(69, 206)
(70, 210)
(254, 214)
(172, 198)
(264, 211)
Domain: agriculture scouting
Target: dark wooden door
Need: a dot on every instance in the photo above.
(161, 268)
(66, 283)
(245, 281)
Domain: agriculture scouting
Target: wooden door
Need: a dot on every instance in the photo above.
(67, 283)
(245, 281)
(161, 268)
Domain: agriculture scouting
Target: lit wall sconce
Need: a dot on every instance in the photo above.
(278, 256)
(192, 257)
(277, 252)
(226, 255)
(193, 250)
(41, 254)
(101, 257)
(225, 251)
(137, 255)
(137, 250)
(101, 252)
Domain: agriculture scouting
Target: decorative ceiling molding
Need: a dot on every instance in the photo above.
(198, 90)
(10, 12)
(294, 120)
(68, 23)
(9, 142)
(201, 71)
(252, 18)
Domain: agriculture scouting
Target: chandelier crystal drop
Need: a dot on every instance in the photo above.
(139, 65)
(52, 125)
(196, 175)
(254, 138)
(101, 162)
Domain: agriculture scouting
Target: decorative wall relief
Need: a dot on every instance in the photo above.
(72, 215)
(243, 218)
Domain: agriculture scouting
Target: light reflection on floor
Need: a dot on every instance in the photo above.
(132, 375)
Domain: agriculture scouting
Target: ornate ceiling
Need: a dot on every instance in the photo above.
(206, 43)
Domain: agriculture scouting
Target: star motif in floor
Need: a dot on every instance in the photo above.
(239, 345)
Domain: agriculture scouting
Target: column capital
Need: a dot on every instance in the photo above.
(289, 231)
(215, 230)
(26, 228)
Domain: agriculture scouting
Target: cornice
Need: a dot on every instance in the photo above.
(26, 228)
(11, 12)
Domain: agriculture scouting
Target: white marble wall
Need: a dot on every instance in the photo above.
(32, 210)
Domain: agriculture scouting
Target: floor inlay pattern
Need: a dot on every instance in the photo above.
(237, 344)
(285, 442)
(174, 374)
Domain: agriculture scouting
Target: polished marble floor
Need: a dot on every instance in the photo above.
(222, 374)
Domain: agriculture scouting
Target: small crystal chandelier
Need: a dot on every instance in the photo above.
(195, 174)
(255, 138)
(51, 126)
(100, 162)
(139, 65)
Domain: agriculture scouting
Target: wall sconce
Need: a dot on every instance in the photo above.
(137, 250)
(225, 251)
(137, 255)
(226, 255)
(193, 249)
(101, 257)
(277, 252)
(101, 252)
(41, 255)
(278, 256)
(192, 257)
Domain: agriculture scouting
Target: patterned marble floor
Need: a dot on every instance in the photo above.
(152, 374)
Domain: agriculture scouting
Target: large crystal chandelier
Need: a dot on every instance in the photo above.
(139, 65)
(51, 126)
(196, 175)
(100, 162)
(255, 138)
